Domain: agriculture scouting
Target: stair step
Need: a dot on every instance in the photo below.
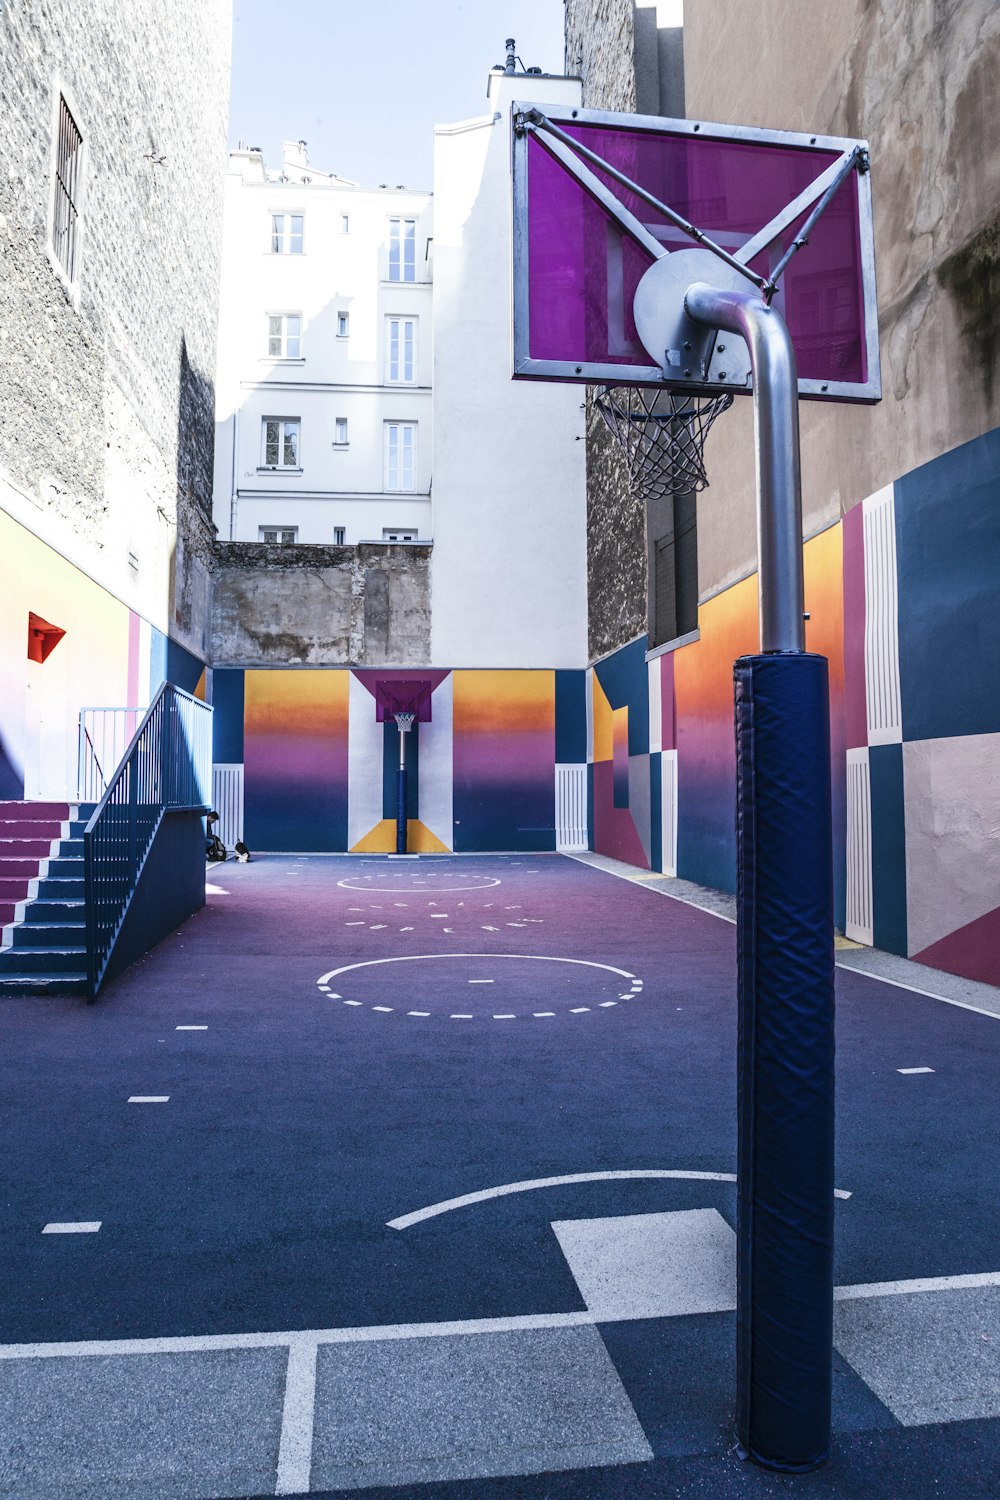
(70, 983)
(14, 888)
(34, 828)
(41, 960)
(26, 848)
(50, 935)
(47, 910)
(60, 810)
(65, 864)
(12, 868)
(61, 887)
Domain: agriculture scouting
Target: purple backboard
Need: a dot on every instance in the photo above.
(577, 264)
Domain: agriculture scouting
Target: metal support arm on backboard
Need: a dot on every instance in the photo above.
(776, 435)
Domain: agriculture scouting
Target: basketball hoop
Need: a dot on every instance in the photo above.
(404, 722)
(662, 436)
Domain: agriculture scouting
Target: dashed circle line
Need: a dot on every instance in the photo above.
(632, 993)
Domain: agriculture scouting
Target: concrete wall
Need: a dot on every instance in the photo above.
(339, 271)
(106, 386)
(296, 605)
(509, 486)
(918, 80)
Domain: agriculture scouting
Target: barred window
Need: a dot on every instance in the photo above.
(66, 213)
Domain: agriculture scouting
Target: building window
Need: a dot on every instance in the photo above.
(284, 335)
(280, 442)
(68, 194)
(286, 234)
(343, 325)
(400, 455)
(277, 533)
(402, 249)
(398, 534)
(401, 350)
(340, 432)
(339, 534)
(345, 223)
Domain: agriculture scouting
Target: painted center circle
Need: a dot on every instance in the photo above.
(419, 882)
(490, 987)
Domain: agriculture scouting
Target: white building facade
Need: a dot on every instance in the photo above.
(324, 373)
(509, 569)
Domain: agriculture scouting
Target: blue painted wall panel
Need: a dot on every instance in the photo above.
(888, 847)
(227, 718)
(948, 553)
(571, 717)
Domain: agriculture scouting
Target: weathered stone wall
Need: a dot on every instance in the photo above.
(108, 397)
(281, 605)
(600, 47)
(918, 79)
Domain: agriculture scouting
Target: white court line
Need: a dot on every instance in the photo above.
(919, 1284)
(80, 1226)
(148, 1098)
(914, 1070)
(529, 958)
(639, 1174)
(297, 1416)
(190, 1028)
(386, 1332)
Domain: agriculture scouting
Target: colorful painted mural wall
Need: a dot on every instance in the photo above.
(319, 771)
(67, 644)
(902, 597)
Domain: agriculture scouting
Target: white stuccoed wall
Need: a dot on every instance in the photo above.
(509, 569)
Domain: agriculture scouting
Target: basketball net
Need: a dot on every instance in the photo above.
(662, 436)
(404, 722)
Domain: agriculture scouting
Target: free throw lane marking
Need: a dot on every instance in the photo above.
(506, 1189)
(78, 1226)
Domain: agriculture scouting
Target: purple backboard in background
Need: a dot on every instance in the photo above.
(577, 269)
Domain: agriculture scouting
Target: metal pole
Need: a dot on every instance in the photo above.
(401, 796)
(776, 437)
(784, 1321)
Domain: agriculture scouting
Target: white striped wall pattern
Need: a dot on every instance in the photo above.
(885, 722)
(571, 807)
(859, 921)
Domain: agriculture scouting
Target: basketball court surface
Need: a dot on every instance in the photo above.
(416, 1176)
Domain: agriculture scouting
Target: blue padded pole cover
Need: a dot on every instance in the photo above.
(784, 1321)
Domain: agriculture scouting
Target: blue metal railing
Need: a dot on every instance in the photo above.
(168, 765)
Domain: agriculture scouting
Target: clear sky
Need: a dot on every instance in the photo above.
(365, 81)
